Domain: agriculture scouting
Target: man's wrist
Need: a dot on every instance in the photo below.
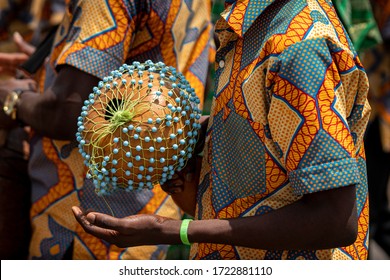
(170, 231)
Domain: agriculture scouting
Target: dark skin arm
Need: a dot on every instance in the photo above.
(327, 219)
(54, 114)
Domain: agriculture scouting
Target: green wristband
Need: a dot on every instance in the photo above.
(183, 231)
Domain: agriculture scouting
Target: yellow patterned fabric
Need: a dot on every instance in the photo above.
(97, 37)
(288, 117)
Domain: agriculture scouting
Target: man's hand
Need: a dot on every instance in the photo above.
(130, 231)
(9, 62)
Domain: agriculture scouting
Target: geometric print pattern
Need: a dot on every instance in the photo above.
(290, 86)
(97, 37)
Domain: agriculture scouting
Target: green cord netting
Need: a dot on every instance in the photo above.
(138, 127)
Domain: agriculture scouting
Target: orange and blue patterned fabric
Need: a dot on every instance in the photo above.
(98, 36)
(288, 116)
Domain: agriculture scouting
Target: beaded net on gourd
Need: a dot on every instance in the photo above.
(138, 127)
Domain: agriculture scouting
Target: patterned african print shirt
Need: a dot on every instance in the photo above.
(288, 117)
(97, 37)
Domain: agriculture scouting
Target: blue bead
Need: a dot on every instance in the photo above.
(126, 143)
(162, 149)
(138, 148)
(141, 168)
(129, 164)
(147, 139)
(131, 127)
(137, 158)
(128, 154)
(138, 129)
(115, 151)
(162, 160)
(116, 140)
(150, 169)
(125, 130)
(128, 173)
(175, 146)
(114, 162)
(151, 149)
(158, 139)
(151, 160)
(139, 176)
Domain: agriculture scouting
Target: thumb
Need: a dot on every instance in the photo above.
(22, 44)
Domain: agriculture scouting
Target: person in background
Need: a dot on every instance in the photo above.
(15, 229)
(377, 64)
(95, 38)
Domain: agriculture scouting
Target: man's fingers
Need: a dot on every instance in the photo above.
(173, 186)
(86, 222)
(22, 44)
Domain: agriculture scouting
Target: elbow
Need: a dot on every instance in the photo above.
(344, 229)
(348, 232)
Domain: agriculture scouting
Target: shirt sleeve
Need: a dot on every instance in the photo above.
(318, 114)
(95, 36)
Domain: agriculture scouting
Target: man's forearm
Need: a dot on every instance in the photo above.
(54, 114)
(306, 224)
(46, 115)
